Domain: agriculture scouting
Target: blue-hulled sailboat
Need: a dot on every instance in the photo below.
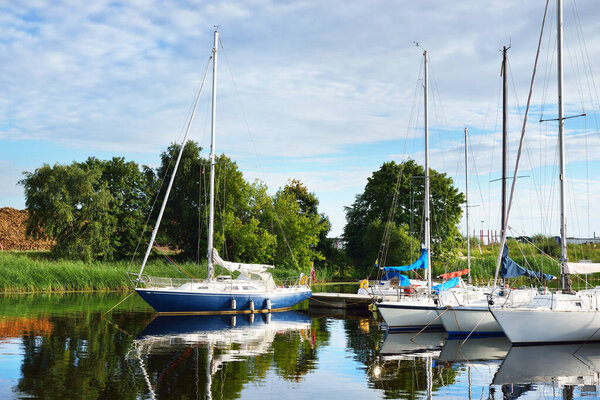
(254, 290)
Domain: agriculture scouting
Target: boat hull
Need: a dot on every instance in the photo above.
(187, 302)
(524, 327)
(461, 321)
(410, 315)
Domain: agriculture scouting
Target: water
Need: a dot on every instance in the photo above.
(66, 347)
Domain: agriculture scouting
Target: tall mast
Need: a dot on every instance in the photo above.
(211, 219)
(504, 139)
(467, 204)
(565, 280)
(426, 207)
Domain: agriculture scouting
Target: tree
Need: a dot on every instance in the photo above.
(93, 210)
(375, 202)
(297, 231)
(238, 233)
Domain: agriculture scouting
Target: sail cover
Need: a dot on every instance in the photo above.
(245, 269)
(510, 269)
(404, 281)
(421, 263)
(454, 274)
(449, 284)
(582, 268)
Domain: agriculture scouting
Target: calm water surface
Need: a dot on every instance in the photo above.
(69, 347)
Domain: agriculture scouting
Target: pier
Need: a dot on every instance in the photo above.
(347, 301)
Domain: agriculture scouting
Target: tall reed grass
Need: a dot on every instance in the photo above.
(38, 272)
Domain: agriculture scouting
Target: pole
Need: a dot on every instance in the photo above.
(467, 204)
(565, 280)
(211, 220)
(426, 207)
(504, 138)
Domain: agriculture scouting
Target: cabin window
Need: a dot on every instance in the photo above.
(249, 288)
(578, 304)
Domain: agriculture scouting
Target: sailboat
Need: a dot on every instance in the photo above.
(254, 289)
(417, 310)
(555, 317)
(471, 316)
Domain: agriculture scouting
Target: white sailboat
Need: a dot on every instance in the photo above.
(416, 311)
(254, 290)
(555, 317)
(471, 316)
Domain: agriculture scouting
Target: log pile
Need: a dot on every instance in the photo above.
(12, 232)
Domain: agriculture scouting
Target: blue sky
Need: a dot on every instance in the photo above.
(310, 90)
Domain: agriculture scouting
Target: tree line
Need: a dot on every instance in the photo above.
(104, 210)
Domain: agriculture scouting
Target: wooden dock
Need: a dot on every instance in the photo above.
(348, 301)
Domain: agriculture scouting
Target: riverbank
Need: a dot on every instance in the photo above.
(30, 271)
(38, 271)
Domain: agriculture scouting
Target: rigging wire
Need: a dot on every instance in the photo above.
(244, 115)
(165, 173)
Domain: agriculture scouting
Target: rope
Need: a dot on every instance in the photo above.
(173, 262)
(427, 326)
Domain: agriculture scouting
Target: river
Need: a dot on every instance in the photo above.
(70, 346)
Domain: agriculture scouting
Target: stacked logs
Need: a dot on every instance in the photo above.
(12, 232)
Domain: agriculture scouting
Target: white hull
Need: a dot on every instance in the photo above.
(469, 320)
(410, 314)
(529, 326)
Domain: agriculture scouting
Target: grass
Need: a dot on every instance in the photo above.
(22, 272)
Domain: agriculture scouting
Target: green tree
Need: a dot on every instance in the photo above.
(238, 232)
(93, 210)
(375, 202)
(297, 231)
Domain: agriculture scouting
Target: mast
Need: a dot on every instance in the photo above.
(426, 207)
(565, 280)
(504, 139)
(211, 219)
(467, 205)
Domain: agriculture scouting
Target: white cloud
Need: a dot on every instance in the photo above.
(321, 80)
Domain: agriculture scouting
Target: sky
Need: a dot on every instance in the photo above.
(320, 91)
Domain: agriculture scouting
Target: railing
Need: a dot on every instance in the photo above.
(158, 282)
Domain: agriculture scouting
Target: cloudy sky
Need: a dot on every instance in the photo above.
(321, 91)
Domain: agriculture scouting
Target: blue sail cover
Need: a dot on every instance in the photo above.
(421, 263)
(449, 284)
(510, 269)
(404, 281)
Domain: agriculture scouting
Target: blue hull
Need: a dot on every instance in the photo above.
(173, 325)
(166, 301)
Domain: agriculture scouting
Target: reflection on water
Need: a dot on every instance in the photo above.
(65, 346)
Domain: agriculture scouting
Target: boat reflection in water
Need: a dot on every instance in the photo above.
(475, 349)
(169, 344)
(565, 366)
(410, 344)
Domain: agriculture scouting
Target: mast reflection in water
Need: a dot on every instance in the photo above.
(67, 347)
(212, 345)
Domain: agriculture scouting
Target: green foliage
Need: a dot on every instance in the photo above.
(93, 210)
(250, 226)
(375, 202)
(403, 248)
(297, 232)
